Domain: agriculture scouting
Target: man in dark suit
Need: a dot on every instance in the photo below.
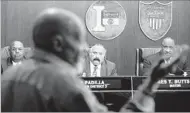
(168, 46)
(49, 83)
(16, 52)
(96, 64)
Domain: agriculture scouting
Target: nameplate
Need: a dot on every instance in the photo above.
(96, 83)
(100, 84)
(175, 83)
(132, 83)
(167, 83)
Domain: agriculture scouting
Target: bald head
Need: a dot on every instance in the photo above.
(168, 41)
(17, 43)
(17, 50)
(60, 32)
(54, 22)
(168, 45)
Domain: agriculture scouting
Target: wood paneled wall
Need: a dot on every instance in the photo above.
(18, 16)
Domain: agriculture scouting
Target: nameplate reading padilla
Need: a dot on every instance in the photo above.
(96, 84)
(175, 83)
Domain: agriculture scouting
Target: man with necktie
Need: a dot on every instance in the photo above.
(96, 64)
(168, 47)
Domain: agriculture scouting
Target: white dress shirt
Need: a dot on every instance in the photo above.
(16, 63)
(167, 61)
(92, 69)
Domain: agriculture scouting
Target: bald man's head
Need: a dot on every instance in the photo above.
(54, 21)
(168, 45)
(60, 32)
(168, 41)
(17, 50)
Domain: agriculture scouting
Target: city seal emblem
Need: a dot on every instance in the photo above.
(155, 19)
(106, 20)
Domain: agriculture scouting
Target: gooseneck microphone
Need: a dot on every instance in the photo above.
(184, 72)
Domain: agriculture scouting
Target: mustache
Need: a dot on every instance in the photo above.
(166, 52)
(96, 59)
(17, 55)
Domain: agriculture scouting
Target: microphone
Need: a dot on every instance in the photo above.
(184, 72)
(84, 74)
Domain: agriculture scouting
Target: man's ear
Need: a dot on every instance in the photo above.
(9, 51)
(105, 57)
(58, 43)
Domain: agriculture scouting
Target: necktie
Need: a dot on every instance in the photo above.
(168, 60)
(94, 74)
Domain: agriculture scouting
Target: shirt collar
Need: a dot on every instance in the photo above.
(168, 60)
(15, 63)
(10, 61)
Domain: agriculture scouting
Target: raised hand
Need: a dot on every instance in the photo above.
(161, 69)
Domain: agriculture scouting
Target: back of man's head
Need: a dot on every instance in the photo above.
(60, 32)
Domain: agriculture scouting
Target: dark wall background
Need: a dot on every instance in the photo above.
(18, 16)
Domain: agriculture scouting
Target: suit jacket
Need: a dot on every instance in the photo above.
(1, 69)
(108, 68)
(148, 61)
(45, 83)
(5, 63)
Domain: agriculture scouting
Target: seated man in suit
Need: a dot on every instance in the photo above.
(168, 46)
(96, 65)
(16, 57)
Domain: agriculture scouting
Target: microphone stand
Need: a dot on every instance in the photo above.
(184, 72)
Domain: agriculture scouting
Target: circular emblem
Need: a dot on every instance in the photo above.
(106, 19)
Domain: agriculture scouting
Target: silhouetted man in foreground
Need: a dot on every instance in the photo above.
(50, 82)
